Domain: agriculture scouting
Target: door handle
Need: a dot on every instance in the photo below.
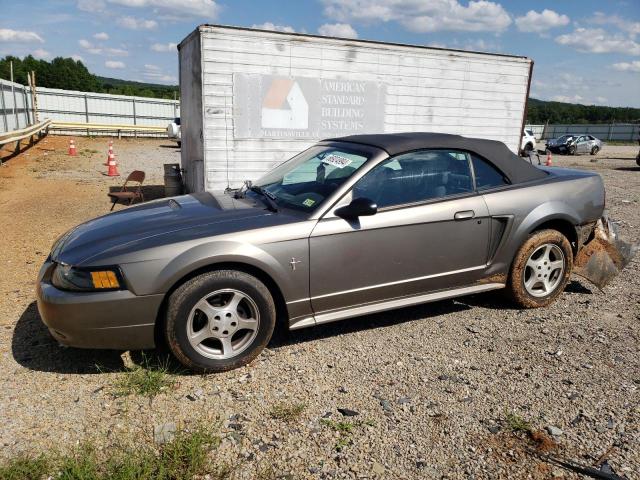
(464, 215)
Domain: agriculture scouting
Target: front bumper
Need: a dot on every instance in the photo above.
(113, 320)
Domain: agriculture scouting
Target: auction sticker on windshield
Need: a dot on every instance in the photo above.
(309, 202)
(336, 161)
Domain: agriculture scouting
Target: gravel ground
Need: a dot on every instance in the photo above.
(432, 385)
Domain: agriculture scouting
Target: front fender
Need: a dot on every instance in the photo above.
(214, 252)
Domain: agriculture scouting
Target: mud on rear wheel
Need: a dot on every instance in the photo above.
(541, 269)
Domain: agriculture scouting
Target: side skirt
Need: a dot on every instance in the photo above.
(390, 305)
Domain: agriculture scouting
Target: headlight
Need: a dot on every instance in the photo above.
(66, 277)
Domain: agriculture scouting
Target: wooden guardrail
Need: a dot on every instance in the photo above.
(27, 132)
(107, 127)
(39, 129)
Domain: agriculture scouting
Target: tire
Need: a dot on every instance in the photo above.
(533, 290)
(179, 144)
(216, 341)
(571, 150)
(595, 150)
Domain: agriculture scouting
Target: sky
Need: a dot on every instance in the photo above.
(585, 51)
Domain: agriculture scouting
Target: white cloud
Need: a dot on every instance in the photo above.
(627, 66)
(194, 8)
(596, 40)
(422, 16)
(155, 73)
(41, 53)
(164, 47)
(631, 27)
(92, 6)
(541, 22)
(100, 50)
(567, 98)
(8, 35)
(480, 45)
(77, 58)
(343, 30)
(137, 23)
(114, 64)
(101, 36)
(272, 26)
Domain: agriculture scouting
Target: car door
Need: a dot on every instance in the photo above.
(582, 144)
(430, 233)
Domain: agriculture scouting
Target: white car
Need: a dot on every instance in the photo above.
(528, 144)
(174, 132)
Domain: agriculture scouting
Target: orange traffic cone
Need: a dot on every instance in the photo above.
(109, 153)
(113, 166)
(72, 148)
(548, 162)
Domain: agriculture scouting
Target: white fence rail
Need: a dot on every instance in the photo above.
(604, 131)
(16, 109)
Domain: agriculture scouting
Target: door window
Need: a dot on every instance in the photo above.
(487, 176)
(416, 177)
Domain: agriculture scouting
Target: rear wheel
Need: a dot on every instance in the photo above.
(541, 269)
(219, 320)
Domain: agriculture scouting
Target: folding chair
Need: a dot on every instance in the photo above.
(132, 194)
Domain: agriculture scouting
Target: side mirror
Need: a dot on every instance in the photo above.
(359, 207)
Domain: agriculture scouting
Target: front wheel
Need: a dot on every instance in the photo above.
(219, 320)
(595, 150)
(541, 269)
(572, 150)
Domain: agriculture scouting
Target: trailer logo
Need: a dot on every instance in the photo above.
(284, 106)
(275, 106)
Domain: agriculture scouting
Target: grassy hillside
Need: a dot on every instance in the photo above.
(541, 111)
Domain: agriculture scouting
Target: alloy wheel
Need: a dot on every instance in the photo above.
(544, 270)
(223, 324)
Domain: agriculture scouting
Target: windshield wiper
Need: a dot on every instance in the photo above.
(268, 198)
(240, 192)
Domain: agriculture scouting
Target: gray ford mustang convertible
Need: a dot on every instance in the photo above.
(350, 226)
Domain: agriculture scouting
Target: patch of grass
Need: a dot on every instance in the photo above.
(146, 380)
(87, 152)
(287, 412)
(184, 458)
(342, 426)
(516, 423)
(22, 467)
(345, 430)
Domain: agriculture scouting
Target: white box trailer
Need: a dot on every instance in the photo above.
(251, 99)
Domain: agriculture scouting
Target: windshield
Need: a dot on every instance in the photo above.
(564, 138)
(306, 180)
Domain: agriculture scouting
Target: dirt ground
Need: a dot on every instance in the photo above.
(437, 387)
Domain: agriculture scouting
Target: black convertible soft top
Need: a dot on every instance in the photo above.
(516, 169)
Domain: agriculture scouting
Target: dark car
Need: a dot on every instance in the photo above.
(351, 226)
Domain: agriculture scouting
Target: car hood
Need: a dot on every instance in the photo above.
(160, 222)
(557, 141)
